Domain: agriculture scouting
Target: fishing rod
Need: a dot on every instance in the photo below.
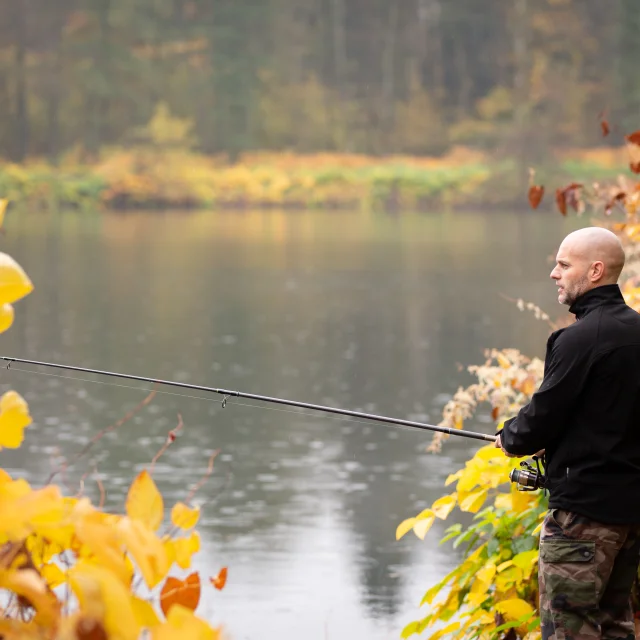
(252, 396)
(526, 479)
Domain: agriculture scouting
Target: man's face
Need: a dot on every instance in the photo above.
(570, 275)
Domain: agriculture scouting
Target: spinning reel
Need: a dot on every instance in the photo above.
(528, 478)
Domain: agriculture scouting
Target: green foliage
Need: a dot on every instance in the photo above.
(494, 589)
(494, 584)
(163, 173)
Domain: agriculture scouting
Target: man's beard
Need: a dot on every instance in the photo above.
(571, 295)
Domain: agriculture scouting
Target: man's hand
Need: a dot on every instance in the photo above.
(498, 445)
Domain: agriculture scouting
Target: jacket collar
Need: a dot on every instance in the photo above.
(606, 294)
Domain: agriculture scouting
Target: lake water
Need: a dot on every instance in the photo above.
(366, 312)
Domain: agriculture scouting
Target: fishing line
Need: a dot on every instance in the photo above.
(526, 479)
(184, 395)
(262, 398)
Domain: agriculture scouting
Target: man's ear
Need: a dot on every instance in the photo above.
(597, 270)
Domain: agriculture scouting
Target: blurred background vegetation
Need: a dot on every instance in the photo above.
(486, 88)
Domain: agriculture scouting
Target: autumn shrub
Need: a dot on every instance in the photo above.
(69, 570)
(159, 167)
(493, 593)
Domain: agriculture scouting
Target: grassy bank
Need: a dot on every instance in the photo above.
(151, 178)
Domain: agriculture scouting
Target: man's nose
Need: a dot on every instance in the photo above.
(553, 274)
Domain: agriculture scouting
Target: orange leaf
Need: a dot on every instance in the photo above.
(635, 166)
(494, 413)
(184, 592)
(535, 195)
(634, 138)
(604, 125)
(220, 580)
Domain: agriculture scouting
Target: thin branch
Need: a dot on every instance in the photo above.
(204, 478)
(171, 438)
(100, 435)
(101, 488)
(537, 311)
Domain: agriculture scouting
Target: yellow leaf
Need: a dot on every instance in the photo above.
(431, 594)
(470, 477)
(522, 500)
(3, 209)
(104, 543)
(146, 549)
(472, 501)
(22, 509)
(442, 507)
(103, 597)
(184, 517)
(14, 282)
(53, 575)
(185, 548)
(14, 417)
(182, 623)
(489, 453)
(6, 316)
(404, 527)
(503, 501)
(421, 527)
(486, 573)
(453, 477)
(144, 501)
(514, 609)
(508, 578)
(504, 565)
(526, 561)
(144, 613)
(477, 597)
(454, 626)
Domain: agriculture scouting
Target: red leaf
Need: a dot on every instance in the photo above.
(568, 196)
(635, 166)
(494, 413)
(620, 196)
(220, 580)
(604, 125)
(561, 201)
(185, 592)
(634, 138)
(536, 192)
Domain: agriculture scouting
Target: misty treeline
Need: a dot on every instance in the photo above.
(359, 76)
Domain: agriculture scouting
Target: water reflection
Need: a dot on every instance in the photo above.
(364, 312)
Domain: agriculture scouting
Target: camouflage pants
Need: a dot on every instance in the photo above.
(586, 573)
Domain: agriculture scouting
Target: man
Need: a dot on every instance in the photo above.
(586, 416)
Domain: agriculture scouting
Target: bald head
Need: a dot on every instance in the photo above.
(587, 258)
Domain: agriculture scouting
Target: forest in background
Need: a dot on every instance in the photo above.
(513, 80)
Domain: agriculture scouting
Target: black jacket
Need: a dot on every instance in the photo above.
(586, 413)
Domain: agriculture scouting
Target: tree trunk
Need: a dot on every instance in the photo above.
(98, 101)
(20, 145)
(520, 136)
(339, 36)
(388, 76)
